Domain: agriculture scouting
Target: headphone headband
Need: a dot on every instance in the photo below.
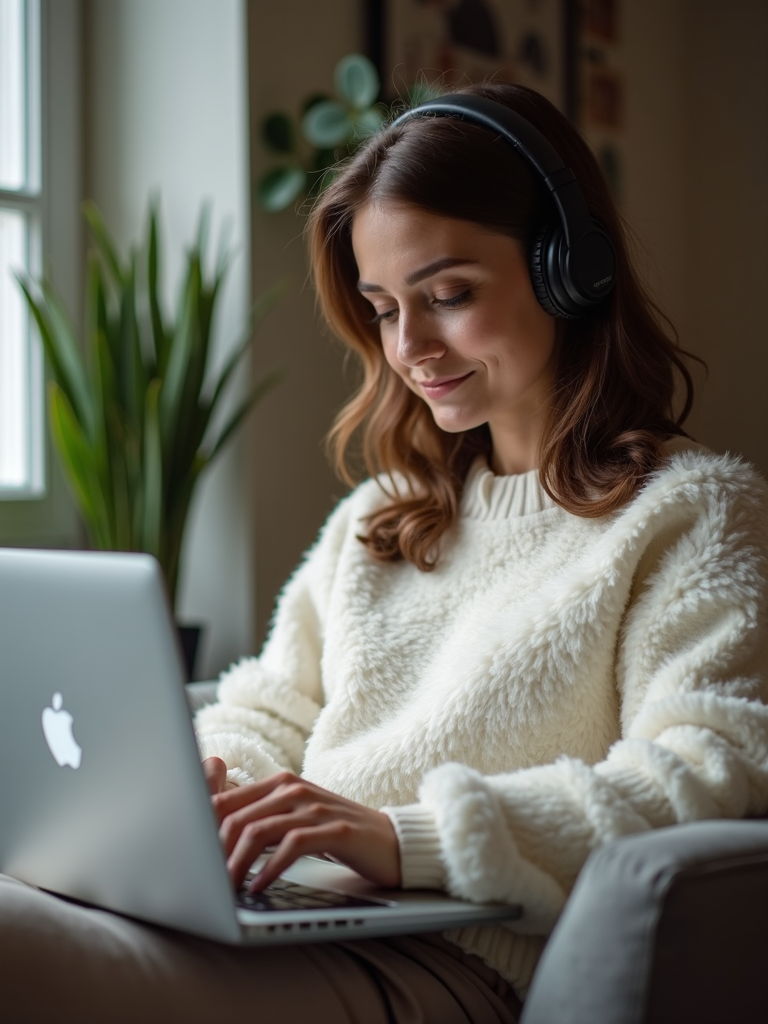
(573, 263)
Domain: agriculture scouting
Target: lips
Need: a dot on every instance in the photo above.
(437, 387)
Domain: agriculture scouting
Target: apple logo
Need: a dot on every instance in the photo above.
(57, 728)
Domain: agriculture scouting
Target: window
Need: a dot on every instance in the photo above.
(40, 193)
(21, 383)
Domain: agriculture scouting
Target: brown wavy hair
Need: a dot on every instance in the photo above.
(618, 366)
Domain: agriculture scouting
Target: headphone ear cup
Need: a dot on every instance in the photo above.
(540, 262)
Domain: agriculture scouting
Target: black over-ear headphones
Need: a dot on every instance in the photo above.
(572, 262)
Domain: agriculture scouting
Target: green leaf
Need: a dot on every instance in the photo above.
(131, 367)
(106, 390)
(151, 523)
(118, 478)
(313, 100)
(175, 517)
(278, 133)
(327, 124)
(97, 320)
(203, 226)
(181, 434)
(259, 310)
(71, 359)
(225, 251)
(356, 80)
(182, 349)
(63, 351)
(265, 385)
(116, 447)
(368, 122)
(77, 459)
(160, 338)
(281, 187)
(40, 314)
(103, 240)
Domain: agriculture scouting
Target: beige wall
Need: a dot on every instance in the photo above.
(696, 147)
(294, 46)
(697, 168)
(725, 55)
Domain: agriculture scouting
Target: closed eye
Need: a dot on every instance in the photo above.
(385, 316)
(455, 300)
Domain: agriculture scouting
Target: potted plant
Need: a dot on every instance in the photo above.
(135, 406)
(328, 128)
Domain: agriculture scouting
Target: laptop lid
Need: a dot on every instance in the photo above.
(102, 793)
(100, 787)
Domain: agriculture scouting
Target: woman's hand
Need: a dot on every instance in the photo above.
(298, 818)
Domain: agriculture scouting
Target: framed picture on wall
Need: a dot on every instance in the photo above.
(600, 85)
(443, 43)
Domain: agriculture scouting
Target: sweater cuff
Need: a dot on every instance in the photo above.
(421, 860)
(238, 777)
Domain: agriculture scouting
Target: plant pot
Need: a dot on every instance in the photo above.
(189, 638)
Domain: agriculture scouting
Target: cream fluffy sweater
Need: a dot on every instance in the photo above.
(554, 683)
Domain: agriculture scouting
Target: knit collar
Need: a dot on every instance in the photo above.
(487, 496)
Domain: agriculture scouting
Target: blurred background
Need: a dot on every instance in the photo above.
(168, 97)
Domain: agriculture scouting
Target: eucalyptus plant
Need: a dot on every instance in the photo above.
(328, 128)
(135, 407)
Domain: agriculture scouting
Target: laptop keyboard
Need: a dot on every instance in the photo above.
(282, 895)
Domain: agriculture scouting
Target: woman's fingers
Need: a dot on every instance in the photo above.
(365, 842)
(295, 798)
(283, 832)
(215, 774)
(299, 842)
(228, 801)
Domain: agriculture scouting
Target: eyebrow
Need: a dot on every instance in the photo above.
(420, 275)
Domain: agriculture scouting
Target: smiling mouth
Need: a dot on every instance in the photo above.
(439, 386)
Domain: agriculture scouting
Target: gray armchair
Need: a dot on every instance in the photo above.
(663, 927)
(200, 694)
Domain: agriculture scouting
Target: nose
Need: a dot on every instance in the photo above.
(417, 340)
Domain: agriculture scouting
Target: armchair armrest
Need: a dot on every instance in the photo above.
(662, 927)
(200, 694)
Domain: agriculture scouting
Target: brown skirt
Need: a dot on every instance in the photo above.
(65, 962)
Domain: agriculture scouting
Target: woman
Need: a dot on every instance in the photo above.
(539, 626)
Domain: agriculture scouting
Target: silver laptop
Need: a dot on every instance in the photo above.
(102, 796)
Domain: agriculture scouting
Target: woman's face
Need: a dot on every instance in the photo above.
(460, 324)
